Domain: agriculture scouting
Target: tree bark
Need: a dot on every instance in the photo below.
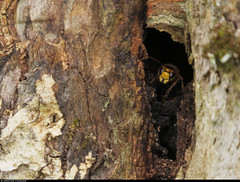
(214, 29)
(72, 102)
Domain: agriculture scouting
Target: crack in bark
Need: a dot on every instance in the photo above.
(2, 149)
(40, 173)
(90, 118)
(108, 84)
(57, 156)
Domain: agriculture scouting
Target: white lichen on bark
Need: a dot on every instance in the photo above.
(70, 174)
(89, 160)
(24, 138)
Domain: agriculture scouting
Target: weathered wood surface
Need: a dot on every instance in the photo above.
(169, 16)
(71, 90)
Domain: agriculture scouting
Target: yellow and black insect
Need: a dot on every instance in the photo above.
(167, 73)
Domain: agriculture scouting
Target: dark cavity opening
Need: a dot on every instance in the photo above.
(164, 107)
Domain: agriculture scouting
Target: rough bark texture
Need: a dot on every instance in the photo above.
(215, 34)
(72, 90)
(72, 101)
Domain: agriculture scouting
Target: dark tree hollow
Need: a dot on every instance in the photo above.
(168, 112)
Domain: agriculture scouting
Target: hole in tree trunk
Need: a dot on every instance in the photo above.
(169, 94)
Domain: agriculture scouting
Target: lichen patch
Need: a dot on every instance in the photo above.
(70, 174)
(23, 139)
(89, 160)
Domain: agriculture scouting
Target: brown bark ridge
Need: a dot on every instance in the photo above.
(72, 102)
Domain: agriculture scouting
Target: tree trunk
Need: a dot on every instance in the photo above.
(76, 101)
(214, 28)
(72, 101)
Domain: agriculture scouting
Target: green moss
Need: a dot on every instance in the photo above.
(69, 138)
(85, 143)
(76, 122)
(224, 46)
(74, 125)
(72, 129)
(224, 49)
